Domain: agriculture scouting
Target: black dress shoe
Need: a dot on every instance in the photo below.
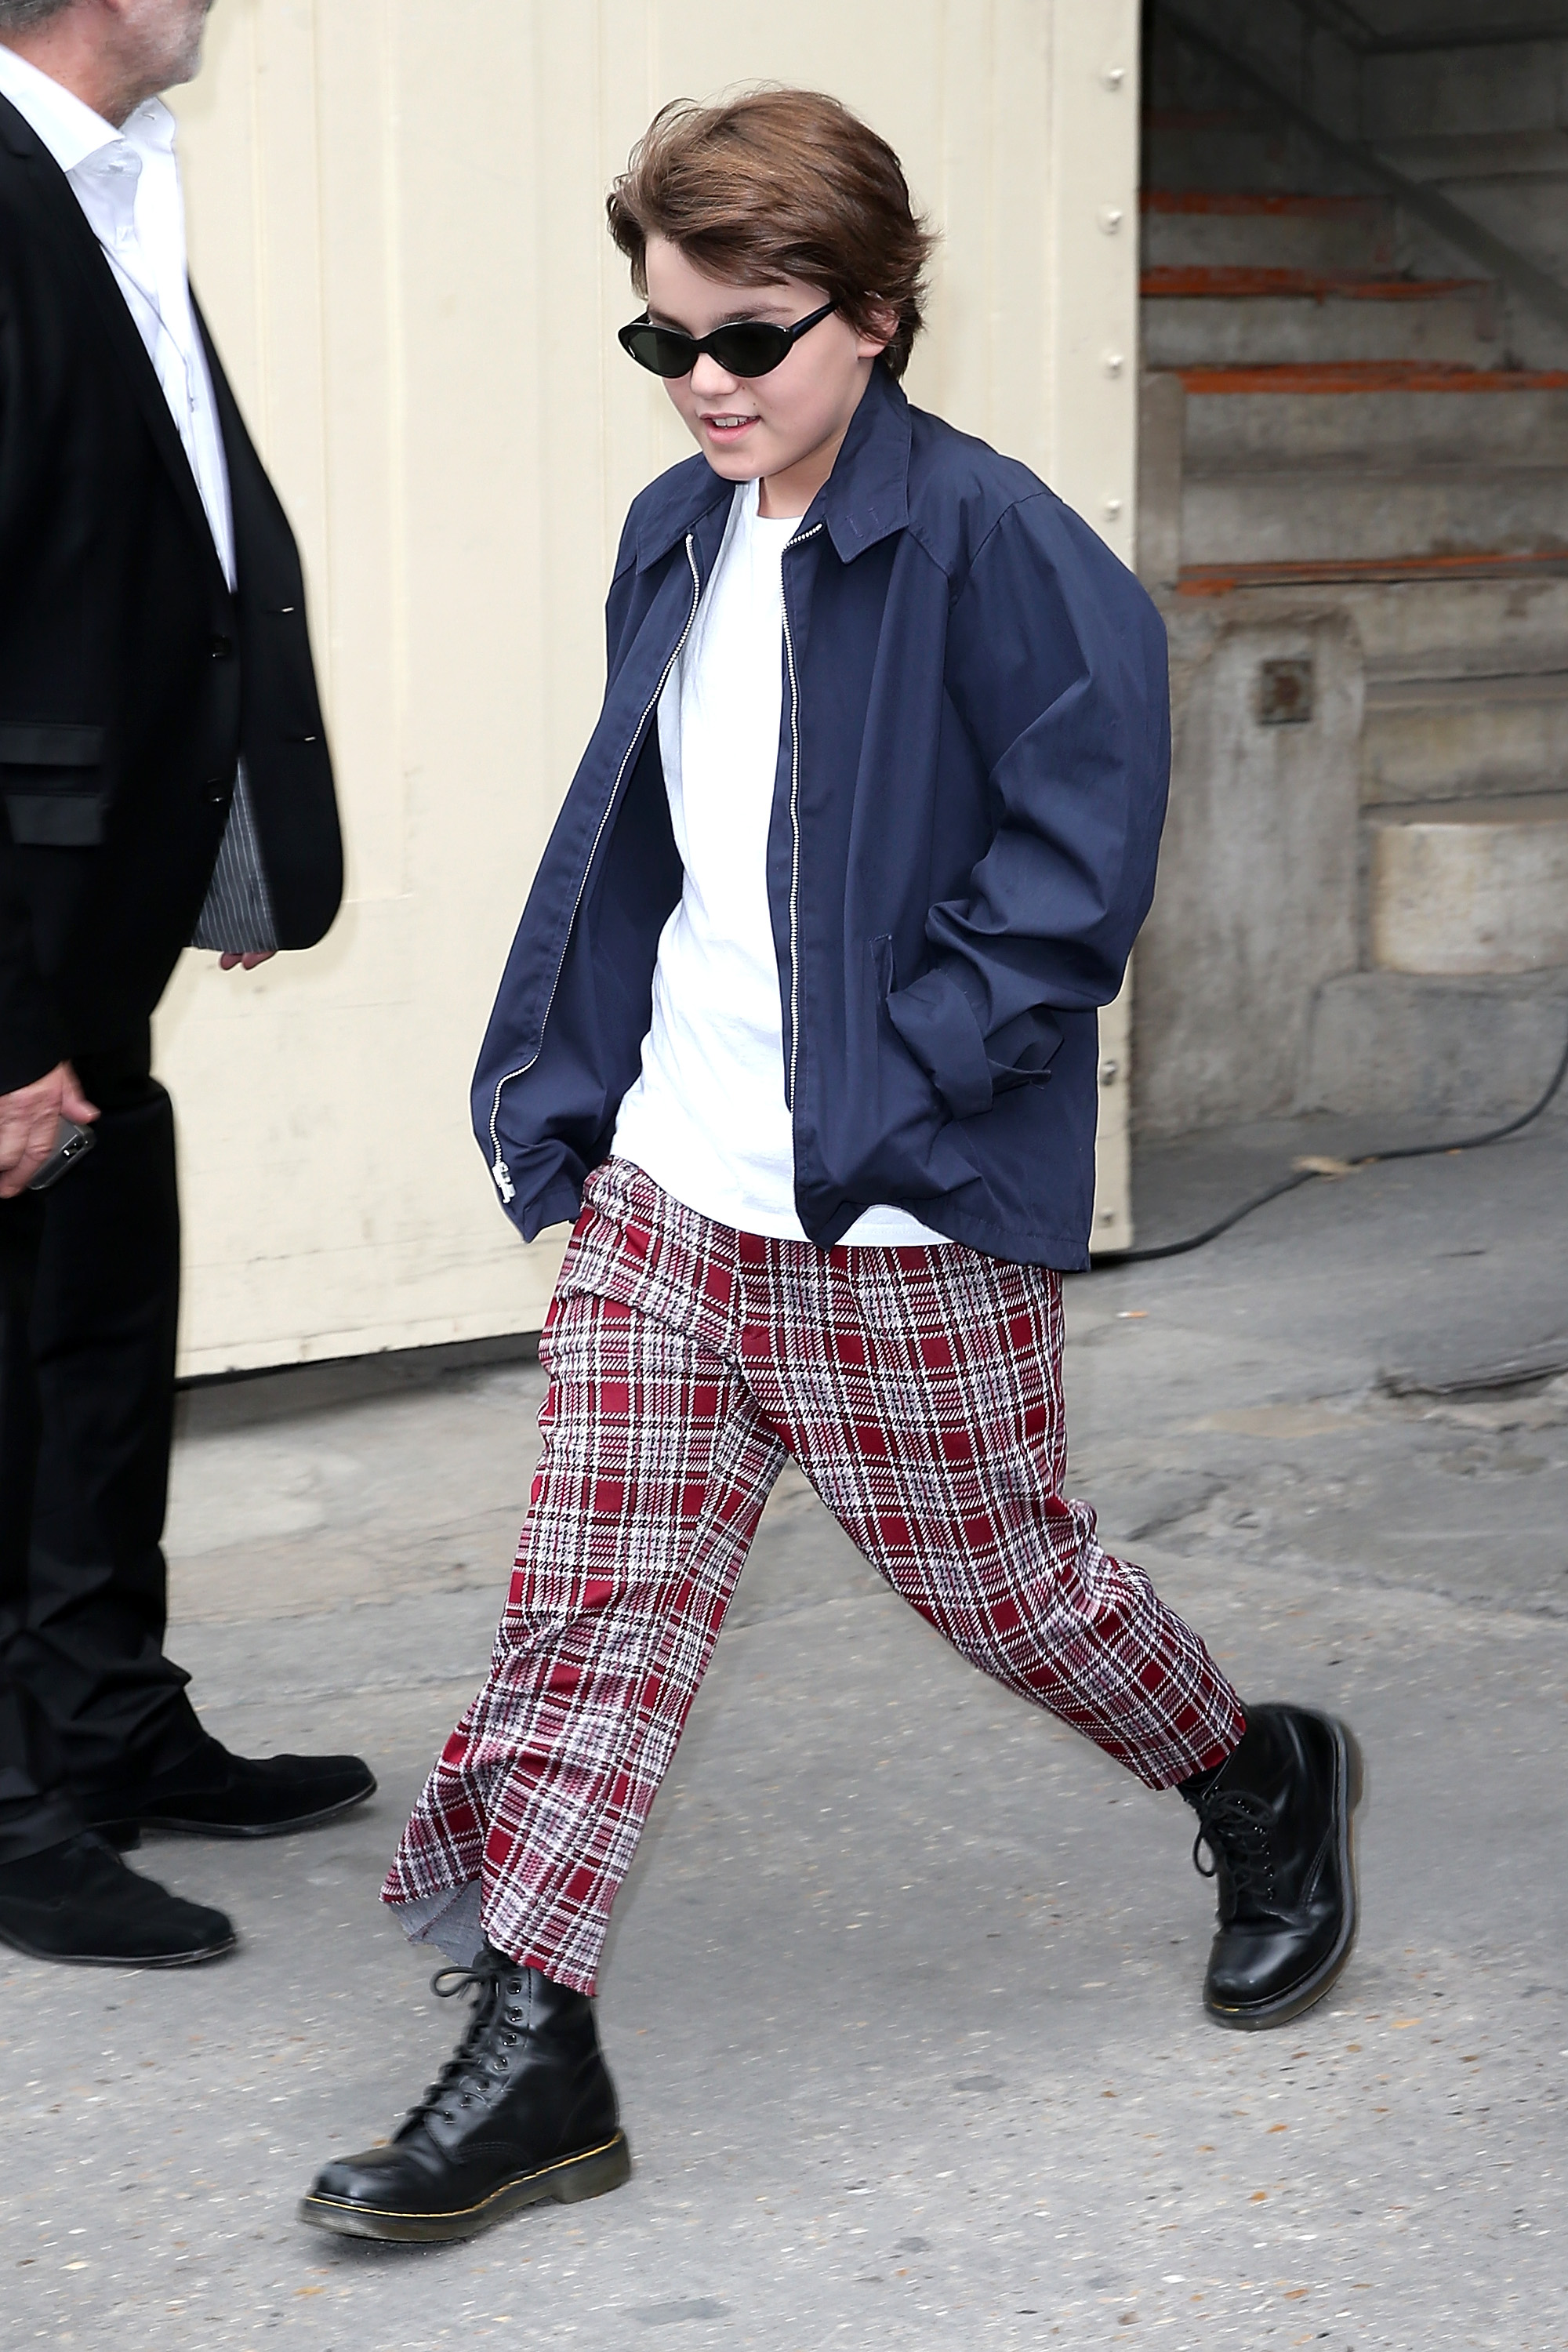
(524, 2111)
(78, 1901)
(211, 1793)
(1276, 1818)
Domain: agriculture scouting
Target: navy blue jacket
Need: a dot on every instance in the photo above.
(971, 776)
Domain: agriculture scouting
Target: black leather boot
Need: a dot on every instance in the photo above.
(524, 2110)
(1276, 1818)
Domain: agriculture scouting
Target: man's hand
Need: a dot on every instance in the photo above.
(28, 1119)
(232, 960)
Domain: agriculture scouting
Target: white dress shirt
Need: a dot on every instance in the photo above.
(127, 183)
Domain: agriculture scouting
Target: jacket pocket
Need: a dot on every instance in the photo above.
(892, 1138)
(51, 780)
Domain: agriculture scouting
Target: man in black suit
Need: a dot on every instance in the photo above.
(164, 780)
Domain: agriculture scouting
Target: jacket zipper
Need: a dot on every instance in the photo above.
(499, 1168)
(795, 828)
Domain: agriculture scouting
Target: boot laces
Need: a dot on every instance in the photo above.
(1234, 1828)
(478, 2065)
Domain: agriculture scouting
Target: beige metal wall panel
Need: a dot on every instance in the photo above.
(397, 228)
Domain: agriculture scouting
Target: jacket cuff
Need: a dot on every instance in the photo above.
(942, 1029)
(560, 1204)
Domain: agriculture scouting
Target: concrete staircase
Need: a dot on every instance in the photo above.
(1334, 425)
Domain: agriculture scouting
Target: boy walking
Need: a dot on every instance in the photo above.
(800, 1027)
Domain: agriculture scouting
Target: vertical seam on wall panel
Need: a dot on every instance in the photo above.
(264, 368)
(651, 53)
(941, 195)
(1133, 35)
(328, 636)
(1050, 308)
(601, 128)
(396, 420)
(652, 96)
(993, 149)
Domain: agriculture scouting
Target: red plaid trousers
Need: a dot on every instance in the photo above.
(920, 1390)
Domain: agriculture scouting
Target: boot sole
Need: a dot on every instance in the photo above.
(191, 1960)
(1350, 1775)
(126, 1836)
(571, 2181)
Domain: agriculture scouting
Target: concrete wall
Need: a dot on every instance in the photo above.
(396, 226)
(1257, 901)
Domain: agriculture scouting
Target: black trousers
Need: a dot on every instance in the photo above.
(89, 1291)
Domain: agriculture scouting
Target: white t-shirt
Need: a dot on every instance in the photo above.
(707, 1118)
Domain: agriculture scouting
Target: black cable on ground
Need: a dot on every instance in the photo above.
(1307, 1171)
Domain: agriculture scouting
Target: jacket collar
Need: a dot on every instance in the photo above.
(17, 132)
(62, 122)
(675, 504)
(865, 497)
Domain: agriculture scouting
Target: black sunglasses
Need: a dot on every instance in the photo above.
(749, 347)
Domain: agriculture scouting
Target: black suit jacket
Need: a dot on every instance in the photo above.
(130, 679)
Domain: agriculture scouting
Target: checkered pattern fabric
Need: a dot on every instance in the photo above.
(920, 1390)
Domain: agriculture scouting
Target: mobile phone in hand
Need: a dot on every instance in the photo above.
(71, 1143)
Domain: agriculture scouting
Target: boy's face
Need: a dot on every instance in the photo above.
(784, 427)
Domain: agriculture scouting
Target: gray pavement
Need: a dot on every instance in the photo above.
(902, 1998)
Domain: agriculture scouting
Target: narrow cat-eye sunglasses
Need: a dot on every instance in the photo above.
(748, 347)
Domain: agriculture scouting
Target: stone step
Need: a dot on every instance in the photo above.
(1451, 158)
(1408, 408)
(1474, 1051)
(1504, 90)
(1220, 227)
(1515, 620)
(1512, 621)
(1250, 280)
(1256, 513)
(1432, 587)
(1528, 213)
(1386, 319)
(1216, 148)
(1429, 739)
(1470, 887)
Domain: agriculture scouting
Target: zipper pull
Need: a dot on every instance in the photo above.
(502, 1175)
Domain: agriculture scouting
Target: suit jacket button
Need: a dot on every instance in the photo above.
(217, 790)
(220, 647)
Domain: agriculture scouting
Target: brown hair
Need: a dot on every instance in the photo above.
(780, 183)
